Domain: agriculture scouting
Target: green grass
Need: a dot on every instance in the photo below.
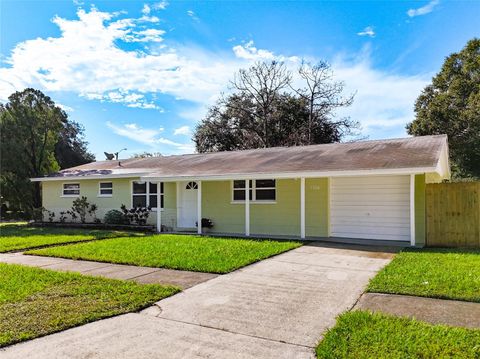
(35, 302)
(187, 252)
(19, 236)
(438, 273)
(359, 335)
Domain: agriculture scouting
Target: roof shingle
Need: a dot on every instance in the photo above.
(412, 152)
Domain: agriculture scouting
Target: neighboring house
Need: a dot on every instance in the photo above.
(367, 190)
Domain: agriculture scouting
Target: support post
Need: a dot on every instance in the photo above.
(199, 207)
(159, 209)
(302, 208)
(412, 209)
(247, 208)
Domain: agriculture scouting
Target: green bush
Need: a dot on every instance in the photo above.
(114, 216)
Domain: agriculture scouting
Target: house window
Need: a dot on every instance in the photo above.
(191, 185)
(105, 189)
(71, 189)
(144, 194)
(260, 190)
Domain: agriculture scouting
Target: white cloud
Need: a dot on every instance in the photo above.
(150, 137)
(136, 133)
(424, 9)
(64, 107)
(86, 59)
(383, 102)
(146, 9)
(250, 52)
(130, 99)
(148, 35)
(162, 5)
(183, 130)
(192, 14)
(368, 31)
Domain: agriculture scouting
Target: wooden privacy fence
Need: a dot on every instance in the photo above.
(453, 214)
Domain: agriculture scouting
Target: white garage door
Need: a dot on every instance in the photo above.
(371, 207)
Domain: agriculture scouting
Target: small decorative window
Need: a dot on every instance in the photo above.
(260, 190)
(71, 189)
(191, 185)
(105, 189)
(144, 194)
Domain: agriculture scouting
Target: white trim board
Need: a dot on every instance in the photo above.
(284, 175)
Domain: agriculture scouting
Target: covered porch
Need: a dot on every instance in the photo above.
(293, 207)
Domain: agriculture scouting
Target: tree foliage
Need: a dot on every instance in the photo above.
(71, 149)
(36, 139)
(451, 105)
(265, 110)
(146, 154)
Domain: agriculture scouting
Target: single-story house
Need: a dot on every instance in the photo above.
(372, 190)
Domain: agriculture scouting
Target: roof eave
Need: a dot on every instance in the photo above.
(280, 175)
(89, 177)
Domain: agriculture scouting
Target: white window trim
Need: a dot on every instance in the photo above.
(253, 188)
(70, 195)
(159, 187)
(99, 189)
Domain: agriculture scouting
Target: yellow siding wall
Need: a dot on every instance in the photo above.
(420, 214)
(316, 207)
(216, 205)
(280, 218)
(53, 200)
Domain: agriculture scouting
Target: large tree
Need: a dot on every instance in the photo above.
(71, 149)
(264, 110)
(451, 105)
(323, 95)
(36, 137)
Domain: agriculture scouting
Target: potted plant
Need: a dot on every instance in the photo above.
(206, 225)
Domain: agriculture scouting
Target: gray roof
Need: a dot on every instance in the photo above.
(404, 153)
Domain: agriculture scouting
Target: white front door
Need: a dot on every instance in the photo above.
(187, 204)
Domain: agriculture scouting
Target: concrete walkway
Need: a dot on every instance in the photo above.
(276, 308)
(143, 275)
(436, 311)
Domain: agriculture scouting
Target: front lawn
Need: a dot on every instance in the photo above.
(438, 273)
(187, 252)
(18, 236)
(36, 302)
(360, 335)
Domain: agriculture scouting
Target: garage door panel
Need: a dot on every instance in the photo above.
(371, 207)
(383, 237)
(386, 221)
(378, 181)
(388, 229)
(373, 210)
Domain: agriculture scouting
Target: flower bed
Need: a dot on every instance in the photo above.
(124, 227)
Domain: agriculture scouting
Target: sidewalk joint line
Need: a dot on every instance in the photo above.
(232, 332)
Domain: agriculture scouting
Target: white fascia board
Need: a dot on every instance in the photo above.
(92, 177)
(280, 175)
(443, 164)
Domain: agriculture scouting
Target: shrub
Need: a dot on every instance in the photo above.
(136, 215)
(37, 214)
(81, 206)
(62, 216)
(92, 211)
(114, 216)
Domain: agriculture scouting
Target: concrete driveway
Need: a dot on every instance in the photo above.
(277, 308)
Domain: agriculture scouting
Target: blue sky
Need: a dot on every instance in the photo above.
(140, 75)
